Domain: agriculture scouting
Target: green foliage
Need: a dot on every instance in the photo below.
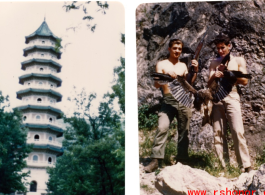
(157, 171)
(147, 188)
(76, 5)
(119, 82)
(170, 152)
(58, 45)
(146, 119)
(94, 158)
(145, 146)
(13, 150)
(209, 162)
(147, 143)
(123, 38)
(103, 6)
(260, 158)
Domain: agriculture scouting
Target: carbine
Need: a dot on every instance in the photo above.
(196, 57)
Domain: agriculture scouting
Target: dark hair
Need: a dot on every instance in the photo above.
(222, 39)
(175, 41)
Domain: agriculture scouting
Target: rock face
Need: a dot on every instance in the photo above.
(179, 179)
(243, 21)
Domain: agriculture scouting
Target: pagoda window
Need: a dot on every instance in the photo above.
(33, 186)
(41, 69)
(42, 55)
(37, 117)
(36, 137)
(39, 100)
(51, 101)
(28, 83)
(40, 83)
(50, 139)
(50, 120)
(35, 158)
(43, 42)
(50, 160)
(24, 118)
(51, 85)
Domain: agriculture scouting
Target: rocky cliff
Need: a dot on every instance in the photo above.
(243, 21)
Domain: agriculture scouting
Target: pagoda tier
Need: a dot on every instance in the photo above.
(49, 148)
(43, 109)
(42, 32)
(42, 50)
(39, 76)
(41, 62)
(32, 91)
(48, 128)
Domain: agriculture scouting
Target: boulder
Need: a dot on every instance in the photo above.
(182, 179)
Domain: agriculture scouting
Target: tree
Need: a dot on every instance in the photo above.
(75, 5)
(13, 150)
(93, 161)
(119, 86)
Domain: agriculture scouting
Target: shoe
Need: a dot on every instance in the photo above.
(153, 165)
(248, 169)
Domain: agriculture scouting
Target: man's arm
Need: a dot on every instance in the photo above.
(214, 73)
(158, 70)
(242, 66)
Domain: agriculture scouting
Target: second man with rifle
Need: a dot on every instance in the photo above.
(228, 109)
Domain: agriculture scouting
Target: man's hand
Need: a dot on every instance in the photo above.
(218, 73)
(195, 65)
(172, 74)
(221, 67)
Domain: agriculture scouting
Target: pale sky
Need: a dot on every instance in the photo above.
(87, 58)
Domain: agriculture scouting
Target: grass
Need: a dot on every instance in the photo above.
(260, 158)
(147, 188)
(210, 163)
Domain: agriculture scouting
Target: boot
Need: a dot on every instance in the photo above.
(153, 165)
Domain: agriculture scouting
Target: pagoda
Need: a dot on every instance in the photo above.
(39, 97)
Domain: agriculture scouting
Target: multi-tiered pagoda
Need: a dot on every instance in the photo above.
(39, 98)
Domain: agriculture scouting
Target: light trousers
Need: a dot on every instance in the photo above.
(228, 110)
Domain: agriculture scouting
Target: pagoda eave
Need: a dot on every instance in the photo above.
(28, 91)
(35, 61)
(47, 127)
(50, 77)
(34, 36)
(48, 109)
(41, 48)
(49, 147)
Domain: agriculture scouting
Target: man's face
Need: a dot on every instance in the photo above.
(223, 49)
(175, 50)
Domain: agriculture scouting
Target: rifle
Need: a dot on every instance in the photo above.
(196, 57)
(223, 86)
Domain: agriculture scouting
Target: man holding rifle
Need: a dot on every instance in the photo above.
(229, 107)
(171, 107)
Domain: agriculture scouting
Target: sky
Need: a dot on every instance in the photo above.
(87, 58)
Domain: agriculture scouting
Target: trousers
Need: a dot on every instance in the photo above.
(171, 108)
(229, 110)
